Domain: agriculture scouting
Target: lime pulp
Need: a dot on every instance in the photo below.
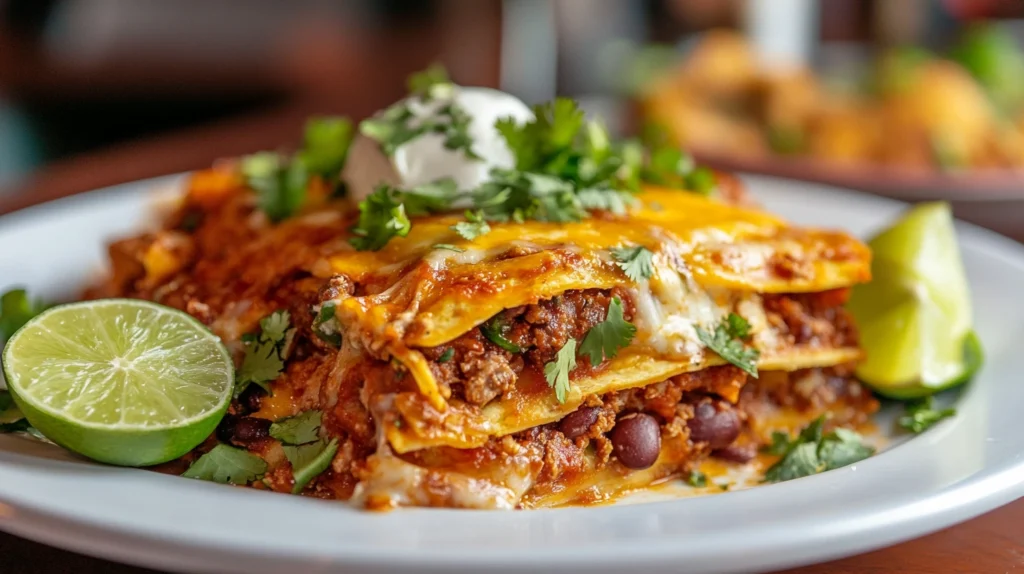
(121, 381)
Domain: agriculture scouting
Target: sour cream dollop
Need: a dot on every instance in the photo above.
(425, 159)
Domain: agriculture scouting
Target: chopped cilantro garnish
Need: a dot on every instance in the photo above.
(636, 262)
(473, 227)
(326, 144)
(299, 429)
(701, 180)
(448, 247)
(266, 352)
(428, 198)
(606, 338)
(281, 182)
(446, 355)
(495, 330)
(381, 217)
(309, 460)
(431, 111)
(919, 416)
(727, 341)
(326, 326)
(557, 372)
(420, 83)
(697, 479)
(668, 166)
(16, 309)
(813, 451)
(227, 464)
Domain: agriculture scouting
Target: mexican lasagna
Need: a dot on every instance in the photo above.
(475, 304)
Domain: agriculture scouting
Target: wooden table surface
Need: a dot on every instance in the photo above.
(993, 543)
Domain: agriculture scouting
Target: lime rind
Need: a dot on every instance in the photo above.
(122, 381)
(973, 359)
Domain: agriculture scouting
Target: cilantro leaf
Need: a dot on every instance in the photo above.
(606, 338)
(16, 309)
(429, 198)
(495, 330)
(326, 326)
(557, 372)
(448, 247)
(265, 352)
(309, 460)
(431, 110)
(420, 83)
(543, 144)
(299, 429)
(919, 416)
(280, 185)
(697, 479)
(227, 464)
(637, 262)
(326, 145)
(702, 181)
(812, 452)
(727, 342)
(473, 227)
(381, 217)
(617, 202)
(446, 355)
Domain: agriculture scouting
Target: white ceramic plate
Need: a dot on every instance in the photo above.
(957, 470)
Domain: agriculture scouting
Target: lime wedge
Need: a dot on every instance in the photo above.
(120, 381)
(915, 314)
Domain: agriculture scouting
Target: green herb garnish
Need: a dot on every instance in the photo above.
(309, 460)
(265, 352)
(606, 338)
(446, 355)
(919, 416)
(473, 227)
(326, 326)
(16, 309)
(299, 429)
(381, 217)
(697, 479)
(727, 341)
(557, 372)
(227, 464)
(448, 247)
(812, 451)
(636, 262)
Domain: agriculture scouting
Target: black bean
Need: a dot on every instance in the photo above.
(636, 440)
(226, 428)
(716, 424)
(250, 398)
(736, 453)
(248, 429)
(579, 421)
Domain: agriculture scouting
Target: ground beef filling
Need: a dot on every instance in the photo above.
(693, 422)
(477, 370)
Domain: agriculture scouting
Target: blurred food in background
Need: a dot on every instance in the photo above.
(912, 109)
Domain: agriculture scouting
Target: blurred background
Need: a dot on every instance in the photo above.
(916, 99)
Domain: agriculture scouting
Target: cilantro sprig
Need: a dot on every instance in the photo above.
(265, 352)
(16, 309)
(920, 415)
(727, 341)
(557, 371)
(606, 338)
(636, 262)
(813, 451)
(431, 109)
(281, 182)
(385, 212)
(299, 429)
(227, 464)
(308, 454)
(474, 226)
